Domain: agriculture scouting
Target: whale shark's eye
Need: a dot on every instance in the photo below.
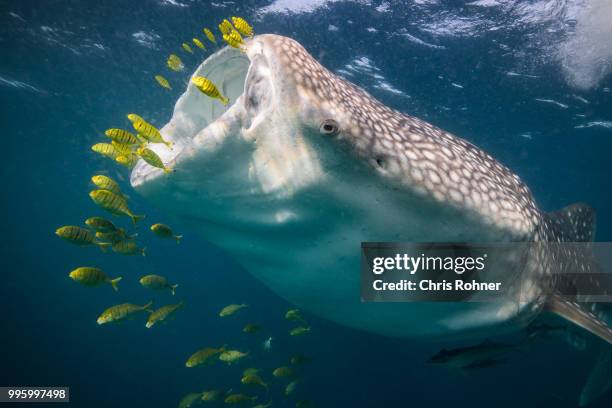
(329, 127)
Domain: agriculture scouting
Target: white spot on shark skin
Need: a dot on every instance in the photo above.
(606, 124)
(553, 102)
(456, 85)
(371, 30)
(148, 40)
(332, 27)
(13, 83)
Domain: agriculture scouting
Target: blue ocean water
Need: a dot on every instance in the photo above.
(510, 79)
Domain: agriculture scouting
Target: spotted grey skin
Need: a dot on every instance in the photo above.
(417, 154)
(303, 166)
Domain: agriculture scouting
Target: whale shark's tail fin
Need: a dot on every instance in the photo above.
(570, 230)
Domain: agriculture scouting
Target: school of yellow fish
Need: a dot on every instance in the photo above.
(126, 147)
(253, 386)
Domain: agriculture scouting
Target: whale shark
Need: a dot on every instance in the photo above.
(302, 166)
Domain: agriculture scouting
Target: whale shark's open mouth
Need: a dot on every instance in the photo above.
(255, 142)
(199, 121)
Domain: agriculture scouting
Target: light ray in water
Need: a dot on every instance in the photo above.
(13, 83)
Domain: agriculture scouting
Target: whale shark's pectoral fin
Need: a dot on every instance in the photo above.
(574, 223)
(571, 230)
(580, 316)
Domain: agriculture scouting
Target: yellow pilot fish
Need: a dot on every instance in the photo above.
(119, 312)
(187, 48)
(231, 356)
(164, 231)
(153, 159)
(106, 183)
(100, 224)
(208, 88)
(124, 149)
(238, 399)
(242, 26)
(282, 372)
(233, 39)
(132, 117)
(162, 314)
(253, 379)
(212, 395)
(127, 247)
(209, 34)
(163, 82)
(190, 400)
(113, 203)
(115, 236)
(175, 63)
(198, 44)
(128, 161)
(78, 236)
(231, 309)
(203, 356)
(123, 137)
(148, 131)
(299, 331)
(90, 276)
(106, 150)
(225, 27)
(290, 388)
(157, 282)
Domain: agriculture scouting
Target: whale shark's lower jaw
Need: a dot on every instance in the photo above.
(302, 167)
